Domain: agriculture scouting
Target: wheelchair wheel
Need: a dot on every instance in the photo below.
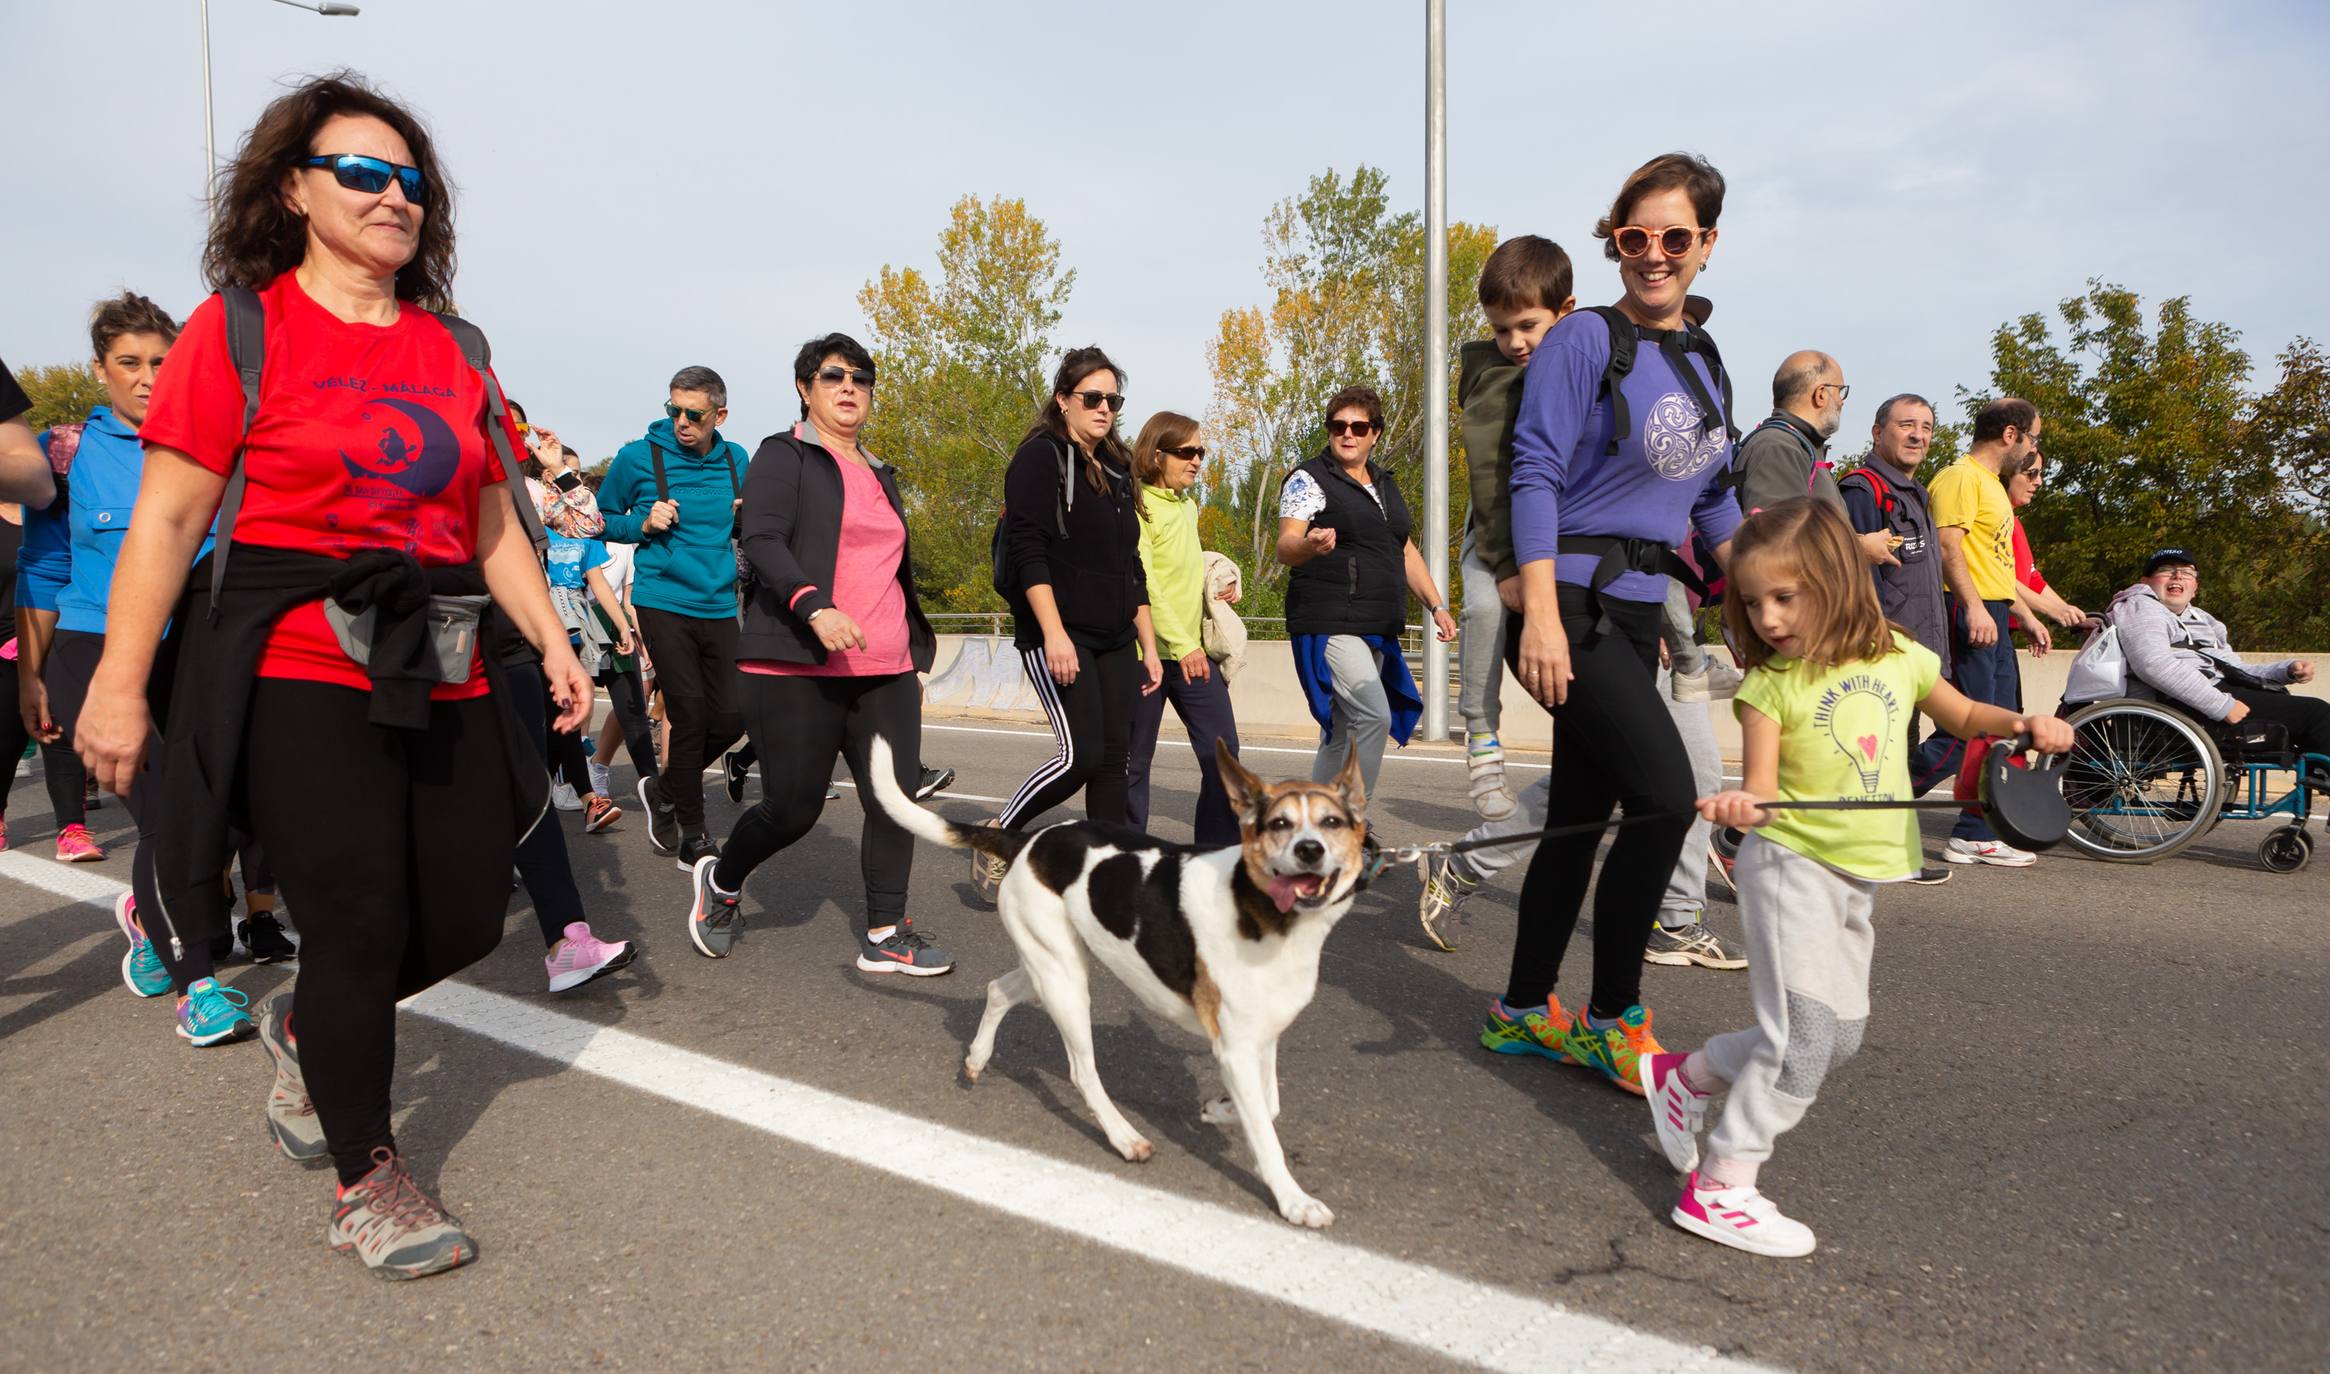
(2143, 781)
(2286, 849)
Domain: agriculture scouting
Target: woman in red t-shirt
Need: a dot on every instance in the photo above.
(367, 454)
(2021, 486)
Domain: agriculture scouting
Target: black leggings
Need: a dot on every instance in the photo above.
(400, 883)
(1092, 719)
(543, 864)
(61, 771)
(563, 753)
(627, 698)
(695, 665)
(807, 723)
(2306, 718)
(1614, 745)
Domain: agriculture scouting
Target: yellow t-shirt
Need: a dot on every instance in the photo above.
(1844, 735)
(1970, 496)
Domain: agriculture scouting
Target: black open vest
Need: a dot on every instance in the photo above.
(1360, 587)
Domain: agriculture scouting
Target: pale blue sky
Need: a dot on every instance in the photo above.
(703, 181)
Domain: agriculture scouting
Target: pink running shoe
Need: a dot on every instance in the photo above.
(582, 956)
(1743, 1219)
(3, 836)
(74, 846)
(1677, 1110)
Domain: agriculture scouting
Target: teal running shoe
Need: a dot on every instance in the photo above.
(211, 1015)
(141, 968)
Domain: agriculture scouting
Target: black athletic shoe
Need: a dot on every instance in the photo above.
(1930, 876)
(694, 850)
(222, 946)
(933, 781)
(663, 823)
(263, 936)
(733, 772)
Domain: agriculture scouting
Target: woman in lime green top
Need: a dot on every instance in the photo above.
(1824, 713)
(1166, 461)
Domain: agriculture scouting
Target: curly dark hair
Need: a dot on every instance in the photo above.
(255, 237)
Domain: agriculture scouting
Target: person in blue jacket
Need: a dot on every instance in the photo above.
(64, 578)
(675, 494)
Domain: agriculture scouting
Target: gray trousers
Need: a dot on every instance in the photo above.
(1681, 635)
(1809, 942)
(1362, 718)
(1686, 893)
(1481, 650)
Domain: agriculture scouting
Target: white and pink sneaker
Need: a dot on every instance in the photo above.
(582, 956)
(1677, 1109)
(1741, 1218)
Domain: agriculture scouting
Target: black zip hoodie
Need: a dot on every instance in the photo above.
(1095, 573)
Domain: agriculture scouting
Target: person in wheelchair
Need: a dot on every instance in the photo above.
(2178, 653)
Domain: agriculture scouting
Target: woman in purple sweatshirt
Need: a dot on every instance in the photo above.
(1607, 474)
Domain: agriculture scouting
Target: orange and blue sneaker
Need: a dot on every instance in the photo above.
(1615, 1051)
(1533, 1031)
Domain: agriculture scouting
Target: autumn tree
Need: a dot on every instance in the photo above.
(1345, 281)
(60, 394)
(961, 354)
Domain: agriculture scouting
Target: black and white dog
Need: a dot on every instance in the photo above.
(1223, 942)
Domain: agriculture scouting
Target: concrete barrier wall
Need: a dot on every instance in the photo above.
(983, 673)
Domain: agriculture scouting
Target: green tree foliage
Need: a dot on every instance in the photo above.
(1345, 279)
(962, 359)
(60, 394)
(2153, 439)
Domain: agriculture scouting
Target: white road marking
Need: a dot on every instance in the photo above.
(1244, 1247)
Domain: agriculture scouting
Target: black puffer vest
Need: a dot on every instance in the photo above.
(1360, 587)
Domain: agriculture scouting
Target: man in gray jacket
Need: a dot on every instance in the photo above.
(2178, 652)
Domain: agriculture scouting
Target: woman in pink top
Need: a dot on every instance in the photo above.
(833, 637)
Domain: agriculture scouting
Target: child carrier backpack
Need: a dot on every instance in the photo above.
(1676, 344)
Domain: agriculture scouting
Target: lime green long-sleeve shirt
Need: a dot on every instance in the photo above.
(1176, 567)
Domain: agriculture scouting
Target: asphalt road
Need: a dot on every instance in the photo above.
(2086, 1131)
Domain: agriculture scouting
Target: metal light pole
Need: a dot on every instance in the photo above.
(1436, 352)
(209, 137)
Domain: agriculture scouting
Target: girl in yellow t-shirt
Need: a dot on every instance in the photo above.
(1824, 713)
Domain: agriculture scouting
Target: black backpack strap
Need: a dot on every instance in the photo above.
(479, 355)
(1622, 341)
(247, 351)
(1067, 486)
(662, 484)
(1698, 340)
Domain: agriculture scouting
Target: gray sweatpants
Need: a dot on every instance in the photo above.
(1681, 635)
(1809, 941)
(1362, 718)
(1481, 651)
(1686, 895)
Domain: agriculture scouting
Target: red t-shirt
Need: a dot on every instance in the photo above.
(865, 583)
(367, 436)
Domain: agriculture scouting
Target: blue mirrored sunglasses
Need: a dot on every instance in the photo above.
(369, 174)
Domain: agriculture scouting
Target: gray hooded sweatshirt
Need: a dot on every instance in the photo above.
(2180, 658)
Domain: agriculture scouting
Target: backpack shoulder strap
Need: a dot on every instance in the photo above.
(1622, 342)
(1700, 341)
(479, 355)
(1878, 487)
(1067, 486)
(247, 351)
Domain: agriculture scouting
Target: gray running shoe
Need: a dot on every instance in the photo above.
(1691, 944)
(907, 952)
(663, 823)
(934, 780)
(1447, 882)
(291, 1117)
(712, 917)
(398, 1231)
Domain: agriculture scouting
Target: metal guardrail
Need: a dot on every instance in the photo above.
(1257, 626)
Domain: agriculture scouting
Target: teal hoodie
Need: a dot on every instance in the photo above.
(689, 569)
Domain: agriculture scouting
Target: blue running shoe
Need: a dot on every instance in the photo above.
(214, 1015)
(141, 968)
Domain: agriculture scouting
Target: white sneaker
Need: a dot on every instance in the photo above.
(562, 796)
(1491, 799)
(1677, 1110)
(1688, 686)
(1999, 852)
(1718, 681)
(1743, 1219)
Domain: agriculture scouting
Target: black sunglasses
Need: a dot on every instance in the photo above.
(370, 175)
(1196, 451)
(673, 412)
(834, 376)
(1094, 400)
(1358, 429)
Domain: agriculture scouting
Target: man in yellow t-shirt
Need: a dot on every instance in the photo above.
(1976, 524)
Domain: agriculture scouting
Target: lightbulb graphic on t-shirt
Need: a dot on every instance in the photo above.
(1858, 714)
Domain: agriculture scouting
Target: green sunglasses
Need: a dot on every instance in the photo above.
(672, 412)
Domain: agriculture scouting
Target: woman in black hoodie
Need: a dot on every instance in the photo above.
(1079, 598)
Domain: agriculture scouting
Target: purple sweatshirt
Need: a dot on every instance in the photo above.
(1661, 482)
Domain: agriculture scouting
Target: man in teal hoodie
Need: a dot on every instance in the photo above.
(674, 494)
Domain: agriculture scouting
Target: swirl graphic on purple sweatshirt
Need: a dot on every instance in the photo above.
(1678, 448)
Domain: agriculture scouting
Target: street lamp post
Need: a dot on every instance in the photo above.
(1436, 353)
(209, 138)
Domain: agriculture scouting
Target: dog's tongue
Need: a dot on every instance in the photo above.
(1286, 890)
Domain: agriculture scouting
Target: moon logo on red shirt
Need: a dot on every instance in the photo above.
(424, 469)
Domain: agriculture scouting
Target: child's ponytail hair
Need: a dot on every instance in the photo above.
(1842, 621)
